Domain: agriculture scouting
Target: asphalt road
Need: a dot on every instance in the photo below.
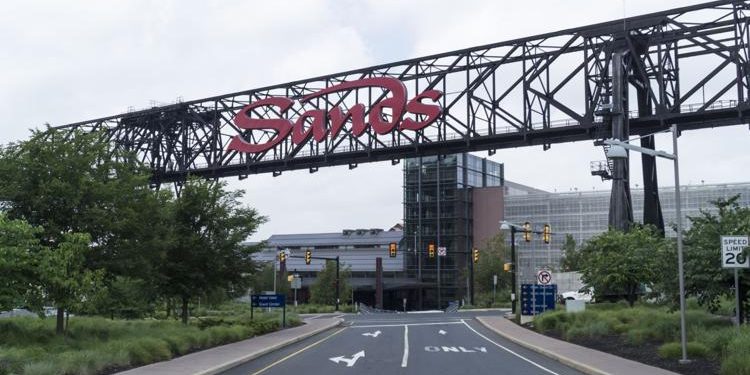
(428, 343)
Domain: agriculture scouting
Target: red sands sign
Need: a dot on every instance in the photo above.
(319, 124)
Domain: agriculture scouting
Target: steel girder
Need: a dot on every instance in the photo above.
(538, 90)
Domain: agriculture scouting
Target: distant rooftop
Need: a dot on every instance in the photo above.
(514, 188)
(345, 237)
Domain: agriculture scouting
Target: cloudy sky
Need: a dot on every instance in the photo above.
(63, 62)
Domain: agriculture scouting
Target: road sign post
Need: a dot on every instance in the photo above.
(494, 288)
(733, 256)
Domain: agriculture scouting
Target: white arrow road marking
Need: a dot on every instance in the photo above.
(442, 332)
(374, 334)
(349, 361)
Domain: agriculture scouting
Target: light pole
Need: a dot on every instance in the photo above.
(617, 150)
(506, 225)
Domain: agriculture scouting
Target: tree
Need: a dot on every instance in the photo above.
(18, 247)
(69, 182)
(571, 260)
(323, 291)
(492, 255)
(206, 250)
(75, 182)
(62, 274)
(706, 280)
(618, 263)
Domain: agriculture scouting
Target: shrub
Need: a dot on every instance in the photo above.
(637, 336)
(42, 368)
(673, 350)
(551, 321)
(737, 360)
(147, 350)
(600, 328)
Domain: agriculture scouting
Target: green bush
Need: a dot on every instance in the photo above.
(737, 360)
(92, 344)
(673, 350)
(551, 321)
(42, 368)
(595, 329)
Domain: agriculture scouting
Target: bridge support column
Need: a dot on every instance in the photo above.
(652, 213)
(620, 204)
(379, 282)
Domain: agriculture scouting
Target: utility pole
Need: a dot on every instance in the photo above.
(439, 296)
(513, 269)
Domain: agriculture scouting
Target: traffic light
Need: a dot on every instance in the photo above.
(476, 255)
(508, 267)
(527, 231)
(282, 256)
(431, 250)
(392, 249)
(308, 256)
(547, 233)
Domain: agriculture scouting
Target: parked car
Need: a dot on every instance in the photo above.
(577, 296)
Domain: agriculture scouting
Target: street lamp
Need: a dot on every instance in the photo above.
(617, 150)
(506, 225)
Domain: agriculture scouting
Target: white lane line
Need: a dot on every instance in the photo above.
(508, 350)
(405, 359)
(406, 324)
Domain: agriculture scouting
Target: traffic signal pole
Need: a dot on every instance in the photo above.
(513, 296)
(471, 280)
(338, 274)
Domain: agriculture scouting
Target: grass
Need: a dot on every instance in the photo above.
(710, 336)
(95, 345)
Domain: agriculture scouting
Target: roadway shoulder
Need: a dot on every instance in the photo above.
(586, 360)
(221, 358)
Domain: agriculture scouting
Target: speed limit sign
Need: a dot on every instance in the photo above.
(733, 252)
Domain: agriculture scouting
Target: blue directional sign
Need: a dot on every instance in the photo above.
(536, 299)
(268, 300)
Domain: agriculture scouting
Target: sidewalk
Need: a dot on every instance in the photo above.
(582, 359)
(221, 358)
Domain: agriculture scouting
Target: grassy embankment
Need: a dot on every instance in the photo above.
(96, 345)
(709, 336)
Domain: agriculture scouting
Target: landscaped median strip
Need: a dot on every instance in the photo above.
(587, 360)
(216, 360)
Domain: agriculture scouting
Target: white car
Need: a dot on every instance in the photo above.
(577, 296)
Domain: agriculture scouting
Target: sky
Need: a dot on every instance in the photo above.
(64, 62)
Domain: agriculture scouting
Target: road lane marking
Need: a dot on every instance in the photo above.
(454, 349)
(349, 361)
(373, 334)
(508, 350)
(405, 359)
(298, 352)
(442, 332)
(406, 324)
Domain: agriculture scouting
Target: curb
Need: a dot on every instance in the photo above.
(560, 358)
(277, 346)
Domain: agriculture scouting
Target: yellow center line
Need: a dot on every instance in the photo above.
(298, 351)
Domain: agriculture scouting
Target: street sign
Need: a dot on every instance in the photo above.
(494, 279)
(264, 300)
(536, 299)
(296, 283)
(544, 277)
(442, 251)
(732, 252)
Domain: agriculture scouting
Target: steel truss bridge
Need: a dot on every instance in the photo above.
(634, 76)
